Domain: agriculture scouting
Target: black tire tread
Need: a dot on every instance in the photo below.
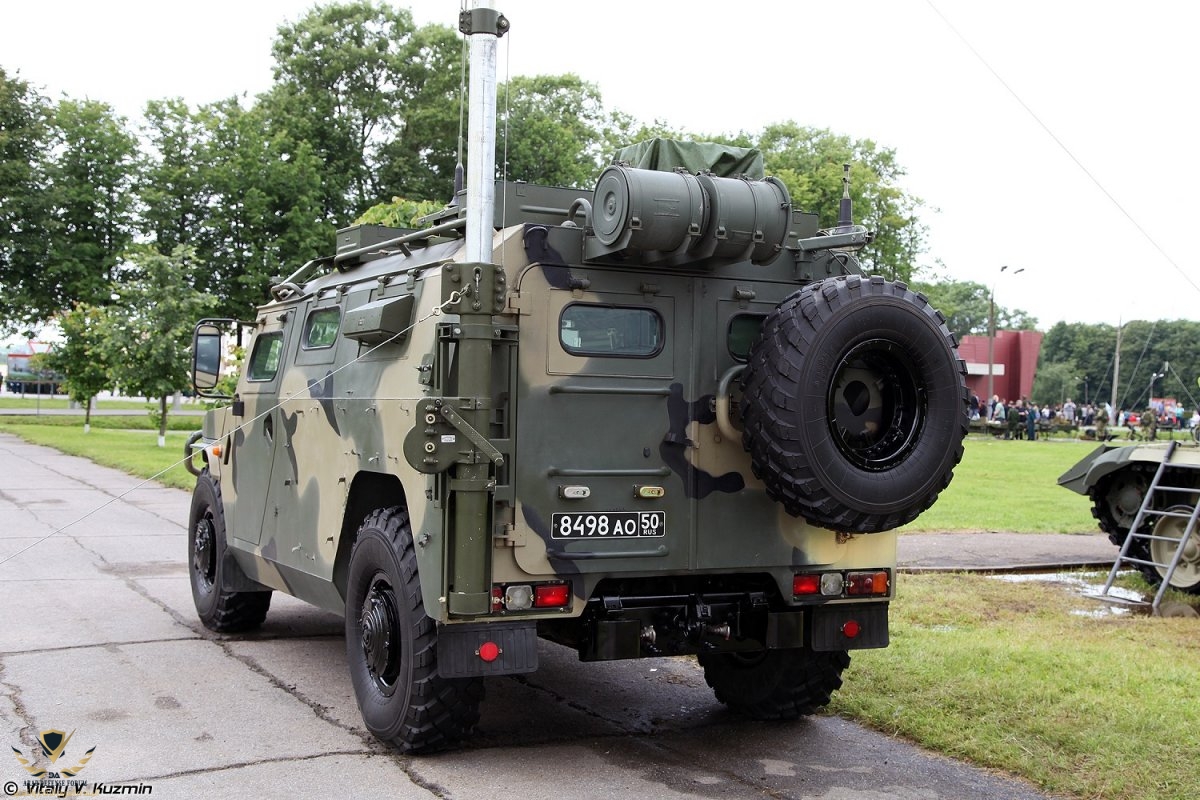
(769, 391)
(786, 684)
(232, 612)
(441, 712)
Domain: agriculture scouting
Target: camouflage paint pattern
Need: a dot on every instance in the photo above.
(334, 419)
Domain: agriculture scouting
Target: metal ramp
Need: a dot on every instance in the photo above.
(1187, 507)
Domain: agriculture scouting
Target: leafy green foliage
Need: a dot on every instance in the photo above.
(809, 161)
(82, 357)
(356, 79)
(92, 171)
(365, 106)
(555, 127)
(150, 330)
(245, 200)
(1145, 348)
(965, 305)
(399, 213)
(24, 210)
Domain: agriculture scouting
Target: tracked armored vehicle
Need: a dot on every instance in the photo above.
(668, 416)
(1119, 481)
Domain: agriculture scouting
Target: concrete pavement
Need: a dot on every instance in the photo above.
(1008, 552)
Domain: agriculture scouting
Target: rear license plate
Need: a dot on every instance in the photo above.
(609, 525)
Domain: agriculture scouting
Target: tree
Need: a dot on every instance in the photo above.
(354, 78)
(556, 130)
(91, 172)
(24, 206)
(82, 358)
(1055, 382)
(419, 158)
(809, 162)
(151, 325)
(1145, 348)
(175, 191)
(264, 216)
(966, 307)
(247, 200)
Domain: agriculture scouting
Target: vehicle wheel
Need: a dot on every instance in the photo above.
(855, 404)
(1186, 577)
(1115, 504)
(391, 645)
(775, 684)
(222, 611)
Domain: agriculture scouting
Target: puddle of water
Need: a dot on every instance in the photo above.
(1119, 602)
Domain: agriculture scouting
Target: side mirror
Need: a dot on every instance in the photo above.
(208, 356)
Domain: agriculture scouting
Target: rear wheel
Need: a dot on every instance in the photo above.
(775, 684)
(391, 645)
(219, 610)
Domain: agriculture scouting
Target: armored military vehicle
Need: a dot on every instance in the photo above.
(669, 416)
(1119, 479)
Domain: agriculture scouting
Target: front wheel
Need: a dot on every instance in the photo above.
(775, 684)
(391, 645)
(220, 610)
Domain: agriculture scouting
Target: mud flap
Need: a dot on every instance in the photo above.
(463, 650)
(849, 627)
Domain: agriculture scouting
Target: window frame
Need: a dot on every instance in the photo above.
(741, 359)
(583, 352)
(308, 326)
(261, 341)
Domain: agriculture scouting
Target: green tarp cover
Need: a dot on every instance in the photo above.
(722, 160)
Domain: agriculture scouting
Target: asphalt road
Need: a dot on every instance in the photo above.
(98, 638)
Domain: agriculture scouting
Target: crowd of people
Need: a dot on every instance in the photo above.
(1020, 418)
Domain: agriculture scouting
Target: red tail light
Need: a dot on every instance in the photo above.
(806, 584)
(552, 595)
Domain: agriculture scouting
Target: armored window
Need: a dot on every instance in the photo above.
(264, 361)
(620, 331)
(321, 330)
(743, 330)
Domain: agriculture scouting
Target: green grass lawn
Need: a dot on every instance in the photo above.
(1011, 486)
(133, 451)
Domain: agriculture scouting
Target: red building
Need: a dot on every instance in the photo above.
(1014, 363)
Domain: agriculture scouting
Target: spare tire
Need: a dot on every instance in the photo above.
(855, 404)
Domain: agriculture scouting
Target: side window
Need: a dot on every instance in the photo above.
(264, 361)
(620, 331)
(321, 329)
(743, 330)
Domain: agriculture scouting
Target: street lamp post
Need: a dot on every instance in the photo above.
(991, 390)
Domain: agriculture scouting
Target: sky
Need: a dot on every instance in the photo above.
(1052, 138)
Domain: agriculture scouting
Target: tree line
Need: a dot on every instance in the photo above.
(1158, 359)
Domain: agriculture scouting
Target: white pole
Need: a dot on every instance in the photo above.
(481, 143)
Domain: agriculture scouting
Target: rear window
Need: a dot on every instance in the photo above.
(617, 331)
(743, 330)
(264, 361)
